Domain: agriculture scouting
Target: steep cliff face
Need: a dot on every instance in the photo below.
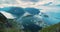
(4, 23)
(3, 19)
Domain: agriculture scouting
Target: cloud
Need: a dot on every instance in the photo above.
(47, 4)
(53, 2)
(30, 0)
(30, 3)
(8, 2)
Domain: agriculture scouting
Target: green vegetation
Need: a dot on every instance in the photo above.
(10, 29)
(53, 28)
(13, 23)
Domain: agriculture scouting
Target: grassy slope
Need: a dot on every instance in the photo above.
(53, 28)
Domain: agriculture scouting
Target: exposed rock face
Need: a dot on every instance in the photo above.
(3, 21)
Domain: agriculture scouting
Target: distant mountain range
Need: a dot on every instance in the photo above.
(18, 11)
(48, 17)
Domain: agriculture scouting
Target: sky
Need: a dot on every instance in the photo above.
(45, 5)
(40, 4)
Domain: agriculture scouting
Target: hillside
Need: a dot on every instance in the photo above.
(53, 28)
